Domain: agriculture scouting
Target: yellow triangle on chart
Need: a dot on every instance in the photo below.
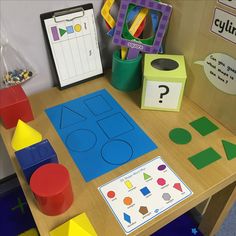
(79, 225)
(24, 136)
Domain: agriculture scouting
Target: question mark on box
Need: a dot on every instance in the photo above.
(165, 92)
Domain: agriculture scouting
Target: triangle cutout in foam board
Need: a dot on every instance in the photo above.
(69, 117)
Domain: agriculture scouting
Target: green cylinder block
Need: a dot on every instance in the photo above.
(126, 74)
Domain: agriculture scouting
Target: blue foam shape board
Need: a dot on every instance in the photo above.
(34, 156)
(106, 138)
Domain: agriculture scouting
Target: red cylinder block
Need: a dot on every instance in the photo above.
(52, 189)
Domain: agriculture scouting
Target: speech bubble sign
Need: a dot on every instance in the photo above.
(220, 69)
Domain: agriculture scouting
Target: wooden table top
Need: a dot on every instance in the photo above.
(157, 124)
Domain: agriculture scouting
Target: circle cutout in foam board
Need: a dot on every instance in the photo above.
(81, 140)
(116, 152)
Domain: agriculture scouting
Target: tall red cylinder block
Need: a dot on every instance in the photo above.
(52, 188)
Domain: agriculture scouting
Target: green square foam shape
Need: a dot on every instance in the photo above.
(204, 158)
(157, 81)
(203, 126)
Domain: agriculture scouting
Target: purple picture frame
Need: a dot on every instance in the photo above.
(165, 9)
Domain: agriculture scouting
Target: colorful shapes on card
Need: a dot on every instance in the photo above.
(161, 181)
(69, 29)
(143, 210)
(127, 201)
(204, 158)
(180, 136)
(128, 184)
(166, 196)
(145, 191)
(146, 176)
(161, 167)
(62, 31)
(77, 27)
(203, 126)
(178, 187)
(146, 200)
(230, 149)
(55, 33)
(111, 194)
(127, 218)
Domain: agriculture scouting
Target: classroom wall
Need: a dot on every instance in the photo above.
(189, 34)
(20, 22)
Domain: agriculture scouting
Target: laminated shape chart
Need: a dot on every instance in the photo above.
(99, 135)
(144, 193)
(74, 46)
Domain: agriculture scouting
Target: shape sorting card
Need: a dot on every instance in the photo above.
(73, 42)
(144, 193)
(99, 135)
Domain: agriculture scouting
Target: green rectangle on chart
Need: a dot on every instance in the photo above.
(203, 126)
(204, 158)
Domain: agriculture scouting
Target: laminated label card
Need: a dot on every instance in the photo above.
(144, 193)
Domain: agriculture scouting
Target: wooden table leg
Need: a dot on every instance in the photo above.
(218, 208)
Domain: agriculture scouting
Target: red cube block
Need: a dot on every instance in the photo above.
(14, 105)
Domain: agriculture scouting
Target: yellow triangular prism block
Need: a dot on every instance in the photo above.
(79, 225)
(24, 136)
(30, 232)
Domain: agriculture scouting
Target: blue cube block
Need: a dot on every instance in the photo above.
(34, 156)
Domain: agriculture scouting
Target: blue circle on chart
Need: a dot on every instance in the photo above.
(81, 140)
(116, 152)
